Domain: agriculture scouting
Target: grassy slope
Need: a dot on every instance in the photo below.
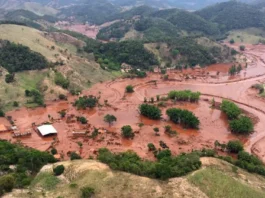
(77, 69)
(216, 184)
(250, 35)
(216, 174)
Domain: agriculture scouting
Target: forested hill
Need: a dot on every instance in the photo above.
(15, 57)
(233, 15)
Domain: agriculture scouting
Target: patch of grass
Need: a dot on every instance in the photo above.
(45, 180)
(216, 184)
(250, 35)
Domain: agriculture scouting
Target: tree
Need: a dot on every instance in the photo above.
(232, 41)
(230, 109)
(15, 104)
(151, 147)
(156, 130)
(234, 146)
(58, 170)
(127, 131)
(129, 89)
(54, 151)
(184, 117)
(242, 48)
(150, 111)
(74, 156)
(232, 71)
(10, 78)
(82, 119)
(243, 125)
(86, 101)
(110, 119)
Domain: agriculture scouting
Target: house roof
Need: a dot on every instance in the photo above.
(3, 127)
(47, 130)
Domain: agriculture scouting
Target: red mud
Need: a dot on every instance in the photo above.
(213, 126)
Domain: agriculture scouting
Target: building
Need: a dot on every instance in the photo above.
(47, 130)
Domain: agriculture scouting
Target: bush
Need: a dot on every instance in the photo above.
(127, 131)
(243, 125)
(82, 119)
(87, 192)
(74, 156)
(129, 89)
(58, 170)
(184, 117)
(242, 48)
(62, 97)
(151, 147)
(230, 109)
(9, 78)
(150, 111)
(54, 151)
(15, 104)
(86, 101)
(234, 146)
(60, 80)
(7, 183)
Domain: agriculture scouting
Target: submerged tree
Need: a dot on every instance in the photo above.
(110, 119)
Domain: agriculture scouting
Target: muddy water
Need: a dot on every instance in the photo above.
(213, 126)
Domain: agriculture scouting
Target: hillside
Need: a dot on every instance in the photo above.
(228, 182)
(233, 15)
(55, 47)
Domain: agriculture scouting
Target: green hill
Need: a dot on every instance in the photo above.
(233, 15)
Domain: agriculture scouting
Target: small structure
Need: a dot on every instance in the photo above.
(3, 128)
(47, 130)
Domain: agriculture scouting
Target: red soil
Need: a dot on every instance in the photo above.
(213, 126)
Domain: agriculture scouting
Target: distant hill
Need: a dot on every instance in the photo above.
(233, 15)
(91, 11)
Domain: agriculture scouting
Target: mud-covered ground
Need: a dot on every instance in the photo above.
(214, 125)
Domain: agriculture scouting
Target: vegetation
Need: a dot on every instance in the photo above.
(259, 87)
(234, 146)
(185, 95)
(230, 109)
(166, 167)
(242, 125)
(87, 192)
(27, 162)
(82, 120)
(74, 156)
(60, 80)
(127, 131)
(226, 15)
(86, 102)
(184, 117)
(112, 55)
(150, 111)
(110, 119)
(129, 89)
(58, 170)
(9, 78)
(16, 57)
(2, 113)
(38, 98)
(218, 184)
